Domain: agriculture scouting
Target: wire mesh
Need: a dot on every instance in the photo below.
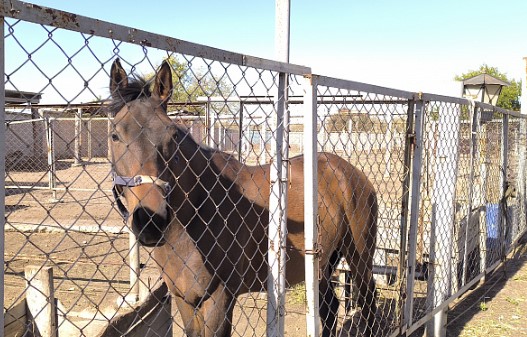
(67, 135)
(60, 209)
(368, 129)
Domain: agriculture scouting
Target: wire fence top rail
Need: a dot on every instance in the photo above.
(61, 19)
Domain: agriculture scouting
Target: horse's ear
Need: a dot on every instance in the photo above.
(118, 78)
(163, 83)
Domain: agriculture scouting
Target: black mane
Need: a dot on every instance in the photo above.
(138, 87)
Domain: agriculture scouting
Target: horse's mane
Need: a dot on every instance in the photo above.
(138, 87)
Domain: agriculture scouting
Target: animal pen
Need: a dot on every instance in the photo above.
(449, 174)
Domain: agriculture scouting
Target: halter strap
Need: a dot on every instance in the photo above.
(140, 180)
(137, 180)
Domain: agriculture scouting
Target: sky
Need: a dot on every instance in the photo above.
(409, 45)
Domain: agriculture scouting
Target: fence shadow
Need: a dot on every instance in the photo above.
(468, 306)
(465, 310)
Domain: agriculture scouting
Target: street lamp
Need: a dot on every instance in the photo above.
(483, 88)
(486, 89)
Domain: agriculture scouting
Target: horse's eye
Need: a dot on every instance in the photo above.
(115, 137)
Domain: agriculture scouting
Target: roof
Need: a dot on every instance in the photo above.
(22, 97)
(484, 79)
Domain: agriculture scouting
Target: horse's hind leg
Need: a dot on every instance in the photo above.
(329, 303)
(361, 273)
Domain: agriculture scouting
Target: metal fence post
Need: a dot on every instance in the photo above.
(414, 213)
(90, 139)
(521, 181)
(405, 201)
(473, 192)
(443, 194)
(483, 154)
(2, 171)
(209, 124)
(311, 206)
(278, 215)
(241, 143)
(78, 133)
(48, 122)
(504, 223)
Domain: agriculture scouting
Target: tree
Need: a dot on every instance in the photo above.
(190, 83)
(509, 97)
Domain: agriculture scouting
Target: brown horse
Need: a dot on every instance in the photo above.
(207, 214)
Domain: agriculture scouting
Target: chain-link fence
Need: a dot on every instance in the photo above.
(409, 198)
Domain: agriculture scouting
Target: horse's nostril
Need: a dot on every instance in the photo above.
(148, 226)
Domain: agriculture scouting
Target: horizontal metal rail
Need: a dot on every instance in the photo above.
(359, 86)
(78, 23)
(61, 189)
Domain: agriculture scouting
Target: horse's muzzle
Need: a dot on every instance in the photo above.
(149, 227)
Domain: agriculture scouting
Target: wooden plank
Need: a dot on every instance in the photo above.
(40, 299)
(15, 320)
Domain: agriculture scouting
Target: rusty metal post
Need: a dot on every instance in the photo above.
(2, 171)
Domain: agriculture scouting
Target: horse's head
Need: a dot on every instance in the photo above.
(143, 150)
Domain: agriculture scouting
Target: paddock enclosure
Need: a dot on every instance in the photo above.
(449, 175)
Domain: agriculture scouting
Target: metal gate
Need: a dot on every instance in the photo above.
(449, 177)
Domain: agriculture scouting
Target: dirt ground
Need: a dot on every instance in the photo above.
(92, 270)
(498, 307)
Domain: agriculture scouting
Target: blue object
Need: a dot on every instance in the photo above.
(492, 218)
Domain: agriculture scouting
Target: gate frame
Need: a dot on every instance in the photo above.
(40, 15)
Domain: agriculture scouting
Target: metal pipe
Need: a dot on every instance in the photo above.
(311, 206)
(414, 213)
(444, 192)
(240, 133)
(90, 139)
(279, 172)
(2, 172)
(504, 225)
(474, 127)
(48, 122)
(282, 31)
(408, 150)
(278, 217)
(78, 138)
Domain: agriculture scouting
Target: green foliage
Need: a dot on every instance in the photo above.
(509, 96)
(483, 306)
(191, 83)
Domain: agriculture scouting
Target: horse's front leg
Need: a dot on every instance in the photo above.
(191, 317)
(212, 318)
(217, 313)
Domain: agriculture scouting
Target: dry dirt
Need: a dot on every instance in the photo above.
(92, 274)
(499, 306)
